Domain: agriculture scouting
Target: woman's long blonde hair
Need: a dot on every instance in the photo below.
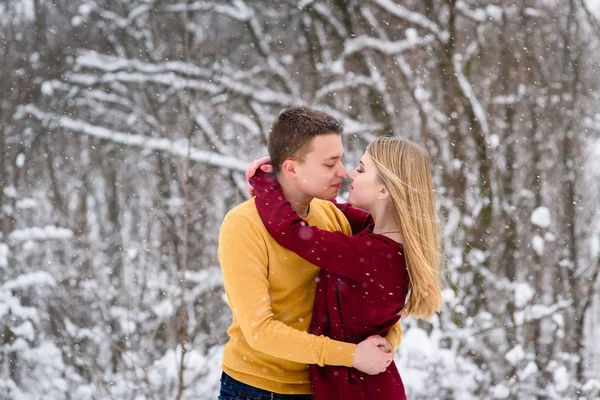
(404, 169)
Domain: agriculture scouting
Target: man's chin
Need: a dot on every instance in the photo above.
(327, 196)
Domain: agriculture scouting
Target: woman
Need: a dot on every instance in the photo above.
(388, 267)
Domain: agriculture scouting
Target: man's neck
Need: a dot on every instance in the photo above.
(297, 199)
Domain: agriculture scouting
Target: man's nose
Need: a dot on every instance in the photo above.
(341, 172)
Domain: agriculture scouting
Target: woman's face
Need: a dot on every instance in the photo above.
(366, 187)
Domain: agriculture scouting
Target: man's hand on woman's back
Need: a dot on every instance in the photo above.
(373, 355)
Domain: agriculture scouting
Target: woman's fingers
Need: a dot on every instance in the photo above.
(254, 165)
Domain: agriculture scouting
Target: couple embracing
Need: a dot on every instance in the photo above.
(317, 288)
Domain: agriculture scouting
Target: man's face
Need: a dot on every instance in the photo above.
(320, 174)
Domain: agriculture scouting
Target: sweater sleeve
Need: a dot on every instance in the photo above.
(335, 252)
(244, 264)
(359, 219)
(394, 336)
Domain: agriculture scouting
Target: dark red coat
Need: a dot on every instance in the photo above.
(362, 287)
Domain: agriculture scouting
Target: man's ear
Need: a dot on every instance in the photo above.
(289, 168)
(384, 193)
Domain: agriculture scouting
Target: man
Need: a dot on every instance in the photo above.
(270, 289)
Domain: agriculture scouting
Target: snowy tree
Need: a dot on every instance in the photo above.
(126, 127)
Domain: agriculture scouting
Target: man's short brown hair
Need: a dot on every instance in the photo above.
(294, 129)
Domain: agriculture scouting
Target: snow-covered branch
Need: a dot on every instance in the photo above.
(111, 63)
(178, 148)
(539, 311)
(347, 81)
(212, 136)
(189, 7)
(327, 17)
(384, 46)
(240, 11)
(170, 80)
(467, 89)
(176, 75)
(413, 17)
(491, 12)
(24, 281)
(37, 233)
(204, 280)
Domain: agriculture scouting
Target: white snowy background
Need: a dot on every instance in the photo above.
(126, 126)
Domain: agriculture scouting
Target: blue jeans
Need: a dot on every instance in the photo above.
(236, 390)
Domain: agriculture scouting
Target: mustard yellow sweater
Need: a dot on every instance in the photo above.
(271, 292)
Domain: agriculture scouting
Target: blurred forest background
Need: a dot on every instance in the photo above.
(126, 126)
